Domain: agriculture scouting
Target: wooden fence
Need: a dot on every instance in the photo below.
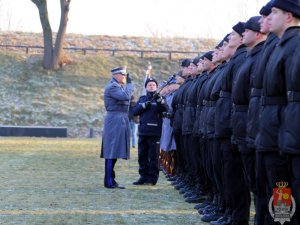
(112, 51)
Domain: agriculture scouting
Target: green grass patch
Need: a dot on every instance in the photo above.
(60, 181)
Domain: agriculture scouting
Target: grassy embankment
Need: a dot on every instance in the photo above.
(70, 97)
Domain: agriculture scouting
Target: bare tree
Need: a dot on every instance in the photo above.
(52, 53)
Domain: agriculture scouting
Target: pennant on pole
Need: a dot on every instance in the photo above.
(147, 76)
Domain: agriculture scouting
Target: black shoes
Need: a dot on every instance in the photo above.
(114, 185)
(144, 181)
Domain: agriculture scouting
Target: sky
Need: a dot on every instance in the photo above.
(152, 18)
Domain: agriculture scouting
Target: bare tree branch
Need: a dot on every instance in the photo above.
(52, 54)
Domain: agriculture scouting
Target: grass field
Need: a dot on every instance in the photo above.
(60, 181)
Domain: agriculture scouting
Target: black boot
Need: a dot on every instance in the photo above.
(109, 181)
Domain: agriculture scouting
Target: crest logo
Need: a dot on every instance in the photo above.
(282, 205)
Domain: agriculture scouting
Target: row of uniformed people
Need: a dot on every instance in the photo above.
(236, 119)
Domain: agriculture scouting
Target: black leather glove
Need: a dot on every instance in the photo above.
(128, 78)
(157, 96)
(146, 105)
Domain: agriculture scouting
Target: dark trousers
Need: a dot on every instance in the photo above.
(294, 168)
(179, 156)
(210, 164)
(186, 156)
(148, 155)
(109, 177)
(203, 161)
(200, 174)
(217, 162)
(276, 170)
(225, 148)
(236, 185)
(191, 147)
(261, 207)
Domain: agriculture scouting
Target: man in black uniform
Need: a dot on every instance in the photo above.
(234, 184)
(178, 105)
(291, 146)
(254, 41)
(186, 131)
(149, 108)
(209, 67)
(212, 149)
(261, 209)
(284, 23)
(192, 192)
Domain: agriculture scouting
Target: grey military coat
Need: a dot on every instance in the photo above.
(167, 141)
(116, 128)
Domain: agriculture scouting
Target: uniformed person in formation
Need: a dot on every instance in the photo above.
(116, 131)
(149, 108)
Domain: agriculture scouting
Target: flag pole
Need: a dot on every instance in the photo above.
(147, 76)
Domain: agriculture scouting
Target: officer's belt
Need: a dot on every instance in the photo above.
(190, 104)
(255, 92)
(225, 94)
(179, 106)
(240, 108)
(122, 102)
(274, 100)
(293, 96)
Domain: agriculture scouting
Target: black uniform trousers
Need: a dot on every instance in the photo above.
(226, 152)
(196, 146)
(294, 169)
(148, 156)
(179, 154)
(217, 160)
(207, 185)
(210, 164)
(191, 149)
(261, 207)
(276, 170)
(186, 157)
(236, 185)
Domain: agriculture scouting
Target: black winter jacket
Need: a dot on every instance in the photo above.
(291, 135)
(150, 117)
(256, 88)
(241, 95)
(274, 93)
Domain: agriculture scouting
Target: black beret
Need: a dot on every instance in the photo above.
(151, 80)
(266, 10)
(196, 60)
(253, 24)
(186, 62)
(292, 6)
(119, 70)
(239, 28)
(208, 55)
(225, 39)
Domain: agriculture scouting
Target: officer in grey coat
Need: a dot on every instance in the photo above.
(116, 131)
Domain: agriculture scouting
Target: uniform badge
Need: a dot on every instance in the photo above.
(282, 204)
